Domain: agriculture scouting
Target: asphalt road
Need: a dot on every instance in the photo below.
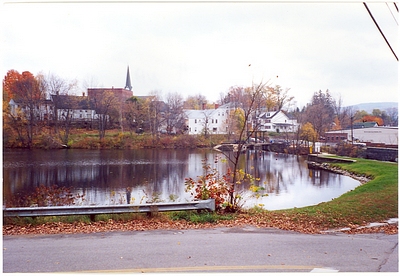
(246, 249)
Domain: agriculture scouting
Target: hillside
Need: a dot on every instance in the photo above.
(379, 105)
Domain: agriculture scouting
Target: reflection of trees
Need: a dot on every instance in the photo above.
(102, 174)
(275, 171)
(322, 178)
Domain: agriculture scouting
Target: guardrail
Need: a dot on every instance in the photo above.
(208, 204)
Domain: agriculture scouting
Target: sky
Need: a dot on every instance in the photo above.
(205, 48)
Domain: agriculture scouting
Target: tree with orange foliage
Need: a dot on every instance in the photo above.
(10, 78)
(370, 118)
(337, 125)
(25, 90)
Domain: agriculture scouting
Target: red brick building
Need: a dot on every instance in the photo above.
(336, 137)
(121, 93)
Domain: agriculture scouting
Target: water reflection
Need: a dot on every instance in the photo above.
(138, 176)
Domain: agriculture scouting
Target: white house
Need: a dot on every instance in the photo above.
(276, 121)
(42, 110)
(215, 120)
(77, 108)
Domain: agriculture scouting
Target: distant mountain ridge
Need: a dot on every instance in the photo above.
(379, 105)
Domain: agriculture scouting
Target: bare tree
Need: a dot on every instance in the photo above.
(351, 116)
(195, 102)
(277, 98)
(174, 115)
(89, 83)
(136, 114)
(340, 112)
(250, 98)
(233, 122)
(392, 116)
(105, 103)
(320, 113)
(206, 124)
(155, 113)
(55, 87)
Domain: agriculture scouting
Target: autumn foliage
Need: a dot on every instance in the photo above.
(210, 185)
(20, 86)
(213, 184)
(45, 196)
(370, 118)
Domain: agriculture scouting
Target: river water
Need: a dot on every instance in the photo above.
(107, 177)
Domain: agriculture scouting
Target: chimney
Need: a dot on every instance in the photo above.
(83, 94)
(203, 106)
(216, 106)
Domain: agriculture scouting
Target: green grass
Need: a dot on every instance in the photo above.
(21, 221)
(373, 201)
(199, 217)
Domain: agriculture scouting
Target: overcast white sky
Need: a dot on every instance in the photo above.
(199, 47)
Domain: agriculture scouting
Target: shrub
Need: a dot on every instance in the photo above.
(45, 196)
(219, 186)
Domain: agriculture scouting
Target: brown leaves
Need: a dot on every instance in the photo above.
(282, 221)
(389, 229)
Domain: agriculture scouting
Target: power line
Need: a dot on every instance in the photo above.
(394, 3)
(392, 14)
(384, 37)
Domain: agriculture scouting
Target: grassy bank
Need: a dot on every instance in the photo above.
(374, 201)
(116, 139)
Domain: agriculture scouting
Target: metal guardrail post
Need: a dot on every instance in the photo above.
(208, 204)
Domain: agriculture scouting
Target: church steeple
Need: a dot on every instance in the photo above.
(128, 81)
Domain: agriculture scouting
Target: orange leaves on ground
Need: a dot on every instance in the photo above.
(285, 221)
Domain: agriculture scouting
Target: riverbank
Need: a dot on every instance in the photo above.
(374, 201)
(327, 162)
(115, 139)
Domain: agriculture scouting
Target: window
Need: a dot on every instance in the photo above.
(195, 121)
(216, 121)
